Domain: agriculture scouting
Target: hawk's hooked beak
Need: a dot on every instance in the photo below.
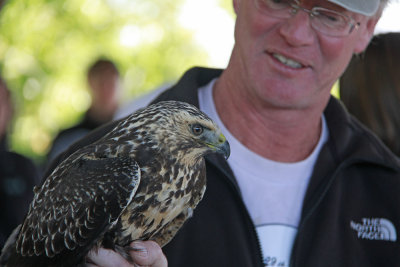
(222, 147)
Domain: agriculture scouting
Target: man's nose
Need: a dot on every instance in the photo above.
(297, 30)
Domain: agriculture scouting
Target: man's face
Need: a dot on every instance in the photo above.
(288, 64)
(105, 87)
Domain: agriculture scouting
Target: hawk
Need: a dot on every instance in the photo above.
(141, 181)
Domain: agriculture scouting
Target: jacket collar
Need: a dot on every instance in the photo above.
(351, 140)
(186, 88)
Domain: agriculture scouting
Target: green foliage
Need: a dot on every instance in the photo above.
(47, 45)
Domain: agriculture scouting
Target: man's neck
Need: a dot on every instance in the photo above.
(284, 135)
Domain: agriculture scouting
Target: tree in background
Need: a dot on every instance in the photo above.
(46, 47)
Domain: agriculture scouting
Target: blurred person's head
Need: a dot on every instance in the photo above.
(5, 108)
(370, 88)
(103, 80)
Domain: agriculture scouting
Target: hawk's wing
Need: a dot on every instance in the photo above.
(77, 203)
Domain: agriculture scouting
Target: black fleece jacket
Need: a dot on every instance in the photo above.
(351, 211)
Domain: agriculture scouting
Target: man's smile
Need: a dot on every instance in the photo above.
(287, 61)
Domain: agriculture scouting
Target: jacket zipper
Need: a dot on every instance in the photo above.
(229, 180)
(313, 208)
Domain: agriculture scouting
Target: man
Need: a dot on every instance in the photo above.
(103, 81)
(306, 184)
(18, 174)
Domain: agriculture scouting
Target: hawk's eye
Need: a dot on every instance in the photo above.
(197, 129)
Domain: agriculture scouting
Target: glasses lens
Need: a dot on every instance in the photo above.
(275, 8)
(330, 22)
(324, 20)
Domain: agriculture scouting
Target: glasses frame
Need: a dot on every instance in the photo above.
(296, 6)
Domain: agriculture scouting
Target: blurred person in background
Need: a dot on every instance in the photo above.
(370, 88)
(103, 80)
(18, 174)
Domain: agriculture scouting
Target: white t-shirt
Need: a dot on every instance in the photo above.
(272, 191)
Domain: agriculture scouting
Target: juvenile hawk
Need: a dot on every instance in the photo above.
(141, 181)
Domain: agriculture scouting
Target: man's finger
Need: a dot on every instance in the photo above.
(106, 257)
(148, 253)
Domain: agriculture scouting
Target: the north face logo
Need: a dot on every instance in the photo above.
(375, 229)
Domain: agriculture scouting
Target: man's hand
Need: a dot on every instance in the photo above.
(147, 253)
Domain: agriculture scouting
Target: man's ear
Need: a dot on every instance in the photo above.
(368, 32)
(236, 4)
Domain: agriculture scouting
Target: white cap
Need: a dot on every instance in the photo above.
(364, 7)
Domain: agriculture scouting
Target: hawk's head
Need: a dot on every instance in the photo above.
(181, 128)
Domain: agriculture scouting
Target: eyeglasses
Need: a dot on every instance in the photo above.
(323, 20)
